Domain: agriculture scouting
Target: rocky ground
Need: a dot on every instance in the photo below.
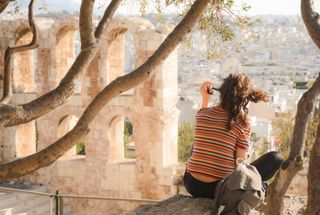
(185, 205)
(294, 204)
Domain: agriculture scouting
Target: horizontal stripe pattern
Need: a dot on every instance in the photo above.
(213, 153)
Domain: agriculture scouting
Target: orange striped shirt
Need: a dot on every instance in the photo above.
(214, 147)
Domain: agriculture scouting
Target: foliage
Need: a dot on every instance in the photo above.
(283, 128)
(81, 148)
(260, 146)
(129, 150)
(221, 24)
(127, 131)
(185, 141)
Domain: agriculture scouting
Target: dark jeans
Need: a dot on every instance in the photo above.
(267, 165)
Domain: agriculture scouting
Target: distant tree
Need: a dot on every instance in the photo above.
(185, 141)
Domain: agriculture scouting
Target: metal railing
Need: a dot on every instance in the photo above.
(63, 204)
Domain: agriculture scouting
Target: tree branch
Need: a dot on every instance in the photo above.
(7, 83)
(294, 163)
(85, 24)
(12, 115)
(313, 206)
(108, 14)
(311, 20)
(4, 4)
(305, 107)
(48, 155)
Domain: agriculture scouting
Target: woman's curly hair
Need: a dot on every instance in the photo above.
(235, 93)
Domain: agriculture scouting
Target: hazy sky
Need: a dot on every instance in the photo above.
(276, 7)
(281, 7)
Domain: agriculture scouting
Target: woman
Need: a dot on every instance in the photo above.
(222, 136)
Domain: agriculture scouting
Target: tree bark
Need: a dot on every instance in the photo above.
(312, 23)
(12, 114)
(313, 206)
(48, 155)
(4, 4)
(294, 163)
(86, 27)
(311, 20)
(7, 83)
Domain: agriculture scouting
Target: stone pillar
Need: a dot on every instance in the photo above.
(106, 137)
(64, 55)
(45, 57)
(157, 132)
(55, 57)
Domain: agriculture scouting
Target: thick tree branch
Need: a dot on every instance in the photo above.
(18, 114)
(7, 83)
(85, 25)
(48, 155)
(295, 161)
(4, 4)
(311, 20)
(313, 206)
(108, 14)
(305, 107)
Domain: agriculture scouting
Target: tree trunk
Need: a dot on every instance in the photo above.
(313, 206)
(295, 161)
(312, 23)
(311, 20)
(48, 155)
(4, 4)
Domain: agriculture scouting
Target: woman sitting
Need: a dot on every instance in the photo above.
(222, 136)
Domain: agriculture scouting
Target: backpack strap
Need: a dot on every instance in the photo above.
(217, 192)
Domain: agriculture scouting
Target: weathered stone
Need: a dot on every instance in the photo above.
(177, 205)
(151, 107)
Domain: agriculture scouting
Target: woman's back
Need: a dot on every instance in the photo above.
(213, 154)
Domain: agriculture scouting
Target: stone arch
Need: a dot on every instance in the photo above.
(117, 135)
(115, 132)
(24, 63)
(138, 23)
(65, 124)
(64, 50)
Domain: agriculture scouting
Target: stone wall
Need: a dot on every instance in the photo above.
(151, 107)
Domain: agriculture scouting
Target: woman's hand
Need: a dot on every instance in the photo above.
(206, 86)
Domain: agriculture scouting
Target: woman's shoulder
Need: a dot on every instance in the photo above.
(244, 128)
(214, 110)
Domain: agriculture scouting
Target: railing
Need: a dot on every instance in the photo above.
(62, 204)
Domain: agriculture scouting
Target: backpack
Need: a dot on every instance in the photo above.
(240, 192)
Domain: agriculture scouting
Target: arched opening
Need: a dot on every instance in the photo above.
(120, 139)
(130, 53)
(24, 64)
(128, 141)
(65, 52)
(66, 123)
